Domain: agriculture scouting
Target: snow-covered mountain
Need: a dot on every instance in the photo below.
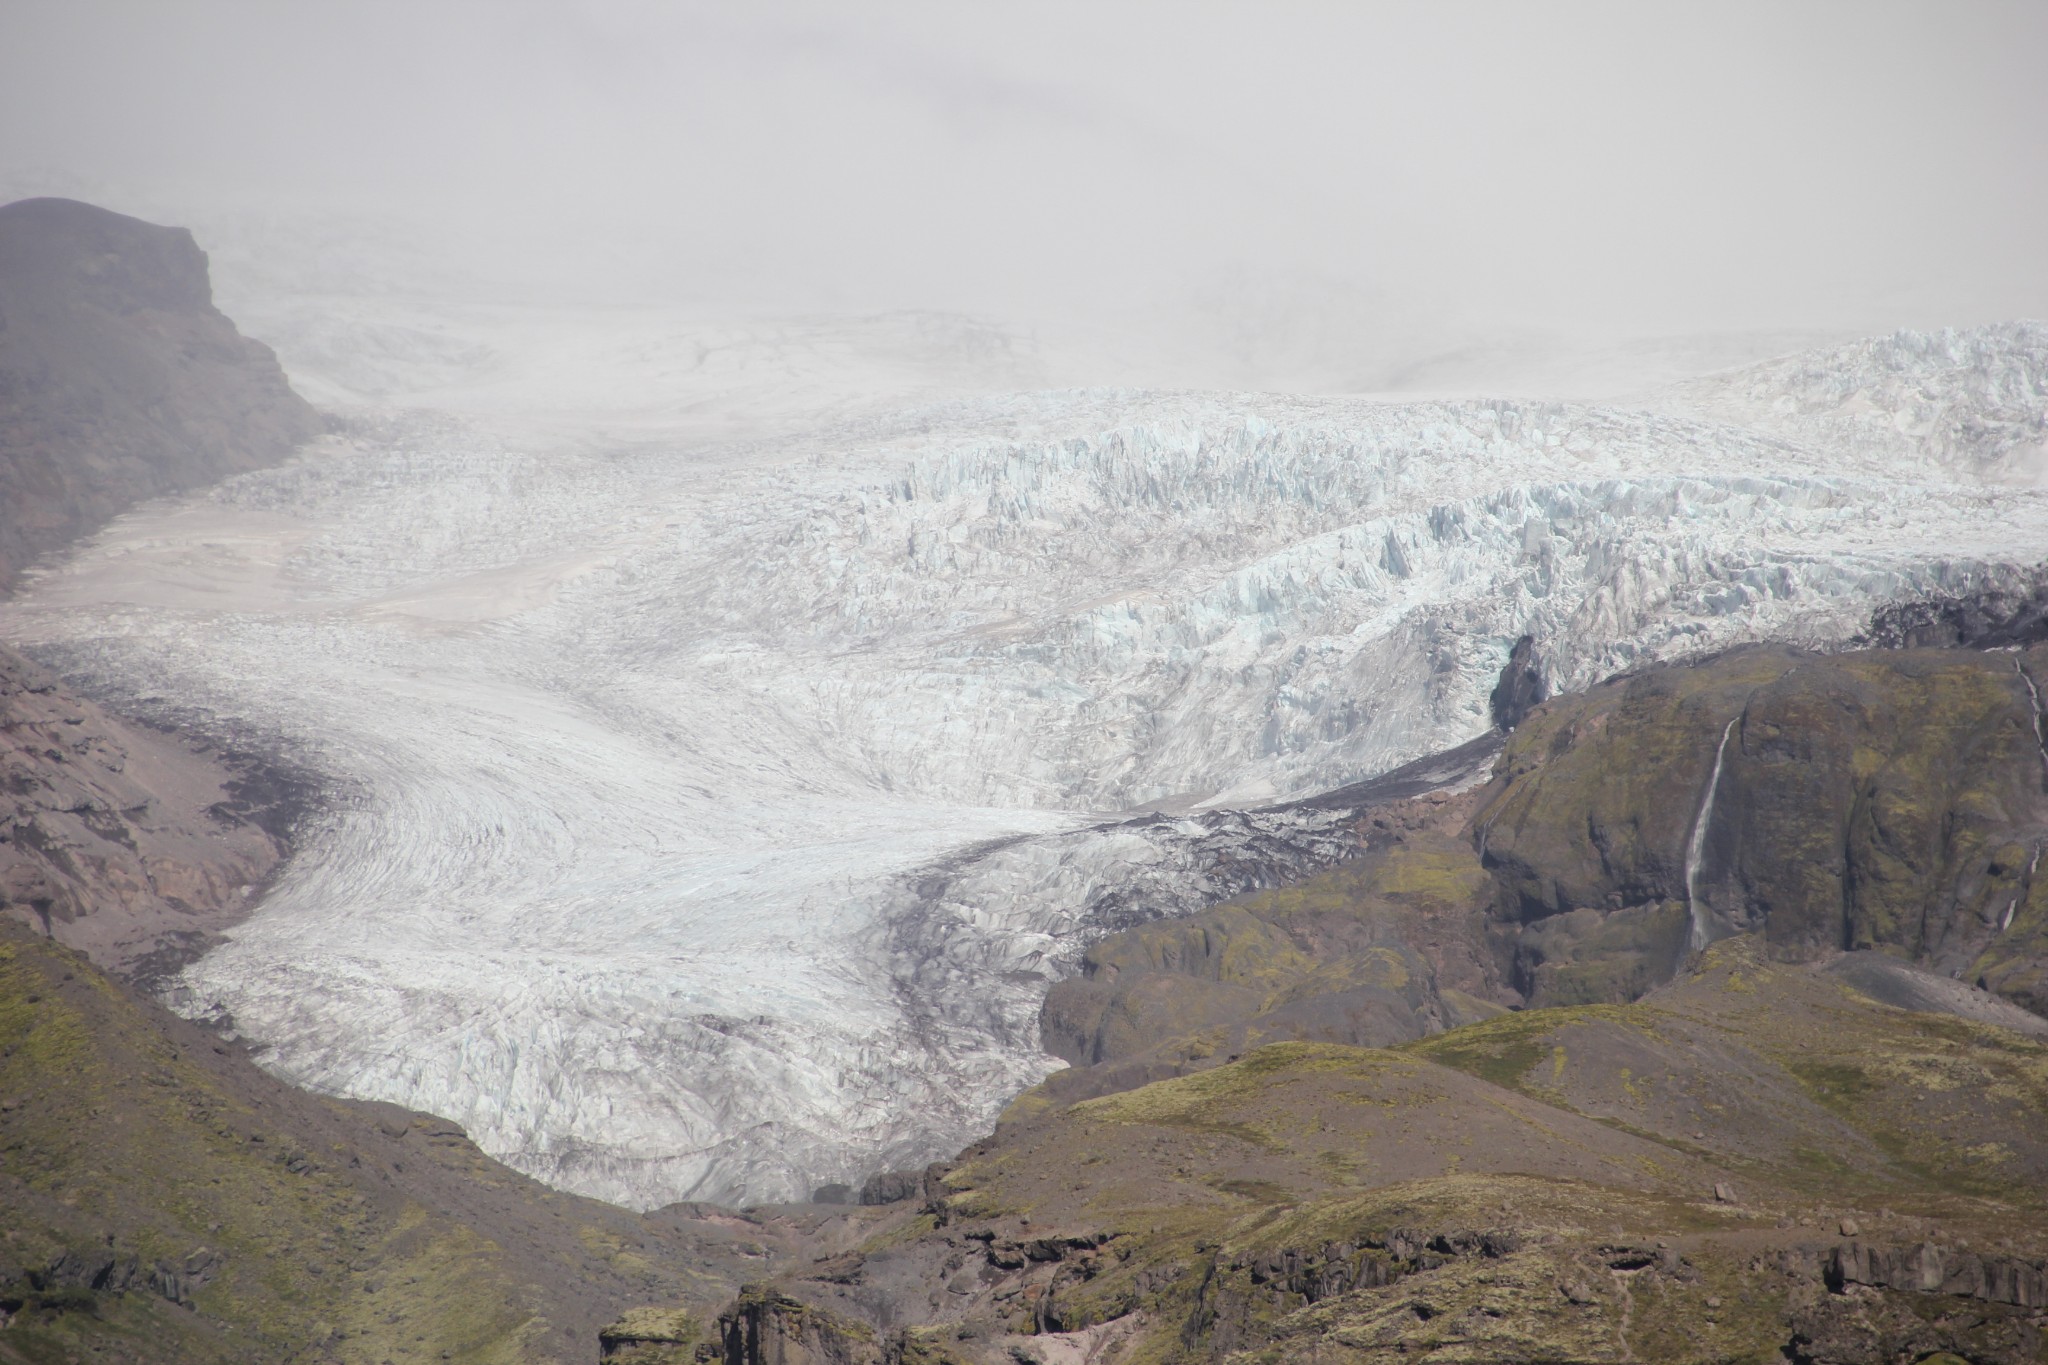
(709, 818)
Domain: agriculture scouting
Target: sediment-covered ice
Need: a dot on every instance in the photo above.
(707, 823)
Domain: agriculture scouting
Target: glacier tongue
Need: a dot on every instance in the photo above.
(706, 824)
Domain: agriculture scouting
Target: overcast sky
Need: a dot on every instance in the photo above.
(1640, 167)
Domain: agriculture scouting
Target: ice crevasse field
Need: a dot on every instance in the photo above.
(640, 753)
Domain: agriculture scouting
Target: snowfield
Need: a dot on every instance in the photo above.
(708, 816)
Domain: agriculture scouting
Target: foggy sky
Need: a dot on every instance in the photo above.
(1645, 168)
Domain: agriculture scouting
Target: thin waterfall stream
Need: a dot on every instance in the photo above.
(2033, 866)
(2040, 743)
(1697, 939)
(2034, 694)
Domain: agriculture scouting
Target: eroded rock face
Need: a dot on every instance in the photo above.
(162, 1198)
(1893, 800)
(764, 1327)
(119, 380)
(2001, 615)
(130, 845)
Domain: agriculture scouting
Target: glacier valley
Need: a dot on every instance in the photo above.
(707, 816)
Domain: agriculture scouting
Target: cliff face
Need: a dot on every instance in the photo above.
(119, 380)
(1893, 800)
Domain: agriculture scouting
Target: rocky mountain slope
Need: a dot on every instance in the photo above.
(122, 841)
(1888, 804)
(119, 380)
(1755, 1162)
(163, 1199)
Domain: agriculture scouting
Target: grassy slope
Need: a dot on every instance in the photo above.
(134, 1148)
(1588, 1141)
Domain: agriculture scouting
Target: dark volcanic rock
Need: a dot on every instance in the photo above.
(765, 1326)
(1890, 803)
(892, 1187)
(1997, 616)
(1880, 800)
(119, 380)
(1520, 687)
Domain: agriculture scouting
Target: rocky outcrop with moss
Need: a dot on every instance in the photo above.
(1706, 1030)
(1893, 800)
(1755, 1162)
(1884, 801)
(119, 380)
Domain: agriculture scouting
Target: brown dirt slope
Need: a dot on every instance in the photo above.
(162, 1199)
(119, 380)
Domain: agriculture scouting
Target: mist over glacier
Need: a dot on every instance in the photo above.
(647, 758)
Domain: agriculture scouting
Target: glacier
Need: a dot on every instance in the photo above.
(707, 816)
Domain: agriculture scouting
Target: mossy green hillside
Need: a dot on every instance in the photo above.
(1878, 799)
(1888, 800)
(162, 1199)
(1658, 1180)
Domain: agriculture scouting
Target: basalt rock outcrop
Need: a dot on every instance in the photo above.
(119, 380)
(1889, 800)
(1521, 686)
(2009, 611)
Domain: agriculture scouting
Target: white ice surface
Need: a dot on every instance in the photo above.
(709, 818)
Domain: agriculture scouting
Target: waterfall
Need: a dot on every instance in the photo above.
(1698, 938)
(2033, 692)
(2005, 922)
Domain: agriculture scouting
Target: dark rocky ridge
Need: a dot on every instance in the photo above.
(2000, 615)
(1520, 687)
(119, 380)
